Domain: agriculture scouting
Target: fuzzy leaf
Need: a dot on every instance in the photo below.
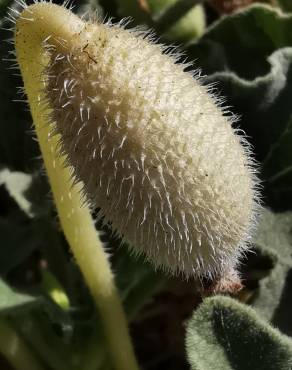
(245, 39)
(274, 234)
(277, 168)
(225, 335)
(273, 241)
(249, 57)
(263, 102)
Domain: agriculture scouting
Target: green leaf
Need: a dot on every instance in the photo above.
(43, 323)
(38, 332)
(267, 271)
(224, 335)
(17, 183)
(273, 242)
(190, 26)
(22, 223)
(10, 300)
(277, 168)
(136, 279)
(18, 240)
(20, 233)
(249, 57)
(37, 195)
(263, 102)
(15, 349)
(274, 234)
(4, 7)
(55, 290)
(174, 20)
(89, 6)
(245, 40)
(286, 5)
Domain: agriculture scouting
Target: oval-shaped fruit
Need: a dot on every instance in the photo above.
(155, 152)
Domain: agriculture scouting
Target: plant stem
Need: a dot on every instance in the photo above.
(35, 24)
(13, 347)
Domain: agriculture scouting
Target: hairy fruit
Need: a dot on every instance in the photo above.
(155, 152)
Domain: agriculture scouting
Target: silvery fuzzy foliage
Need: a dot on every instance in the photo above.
(224, 334)
(155, 152)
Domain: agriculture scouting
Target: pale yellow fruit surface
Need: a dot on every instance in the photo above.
(157, 155)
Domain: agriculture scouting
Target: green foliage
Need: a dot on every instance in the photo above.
(225, 335)
(18, 241)
(277, 167)
(286, 5)
(179, 21)
(136, 280)
(249, 56)
(17, 149)
(11, 300)
(273, 242)
(3, 7)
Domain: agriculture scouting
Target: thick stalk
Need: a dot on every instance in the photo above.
(37, 23)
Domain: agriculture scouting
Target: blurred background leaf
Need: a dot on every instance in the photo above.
(285, 5)
(267, 271)
(11, 300)
(174, 20)
(248, 55)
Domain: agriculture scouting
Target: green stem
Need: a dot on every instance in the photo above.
(13, 347)
(36, 23)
